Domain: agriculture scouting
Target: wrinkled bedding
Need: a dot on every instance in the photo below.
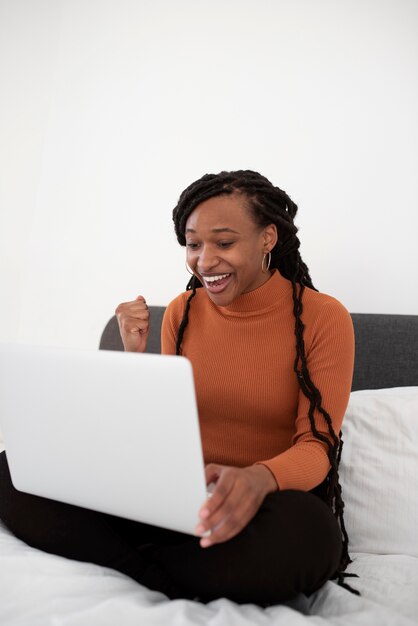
(39, 589)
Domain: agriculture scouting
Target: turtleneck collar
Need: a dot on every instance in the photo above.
(261, 299)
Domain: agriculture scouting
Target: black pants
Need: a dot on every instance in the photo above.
(292, 545)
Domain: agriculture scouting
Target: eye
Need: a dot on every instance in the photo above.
(192, 245)
(224, 244)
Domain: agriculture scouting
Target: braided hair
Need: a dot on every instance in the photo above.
(271, 205)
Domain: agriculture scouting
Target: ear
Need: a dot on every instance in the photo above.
(270, 237)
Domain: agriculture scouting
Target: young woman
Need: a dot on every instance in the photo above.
(273, 361)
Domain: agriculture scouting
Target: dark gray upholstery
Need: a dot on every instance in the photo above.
(386, 347)
(386, 350)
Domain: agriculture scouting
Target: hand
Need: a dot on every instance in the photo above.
(133, 320)
(237, 496)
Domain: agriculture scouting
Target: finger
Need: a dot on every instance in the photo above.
(132, 309)
(215, 518)
(222, 480)
(238, 508)
(137, 326)
(231, 525)
(141, 299)
(219, 505)
(134, 333)
(130, 313)
(212, 472)
(223, 532)
(128, 322)
(136, 313)
(138, 304)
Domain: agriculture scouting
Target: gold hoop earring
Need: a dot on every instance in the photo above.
(267, 265)
(188, 269)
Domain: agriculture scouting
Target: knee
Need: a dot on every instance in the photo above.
(10, 498)
(6, 488)
(321, 541)
(307, 517)
(308, 538)
(19, 511)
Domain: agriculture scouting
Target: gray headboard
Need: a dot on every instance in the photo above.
(386, 347)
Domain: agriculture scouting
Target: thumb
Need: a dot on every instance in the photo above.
(212, 472)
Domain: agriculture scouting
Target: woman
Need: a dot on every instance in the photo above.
(273, 362)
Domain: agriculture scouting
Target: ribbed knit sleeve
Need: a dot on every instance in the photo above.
(330, 359)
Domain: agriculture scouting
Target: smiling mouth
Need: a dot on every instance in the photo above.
(216, 283)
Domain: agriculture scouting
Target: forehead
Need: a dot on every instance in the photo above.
(221, 212)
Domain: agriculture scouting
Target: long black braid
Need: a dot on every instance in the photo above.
(271, 205)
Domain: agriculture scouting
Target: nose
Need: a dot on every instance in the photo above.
(206, 260)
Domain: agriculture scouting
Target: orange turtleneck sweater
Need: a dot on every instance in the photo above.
(251, 408)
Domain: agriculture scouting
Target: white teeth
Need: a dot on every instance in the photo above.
(212, 279)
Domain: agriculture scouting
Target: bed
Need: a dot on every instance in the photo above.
(379, 476)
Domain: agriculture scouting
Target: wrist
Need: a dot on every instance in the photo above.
(267, 478)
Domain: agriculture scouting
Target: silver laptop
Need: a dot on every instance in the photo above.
(111, 431)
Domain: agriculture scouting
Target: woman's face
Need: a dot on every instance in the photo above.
(225, 247)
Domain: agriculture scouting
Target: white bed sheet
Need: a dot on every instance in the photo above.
(38, 589)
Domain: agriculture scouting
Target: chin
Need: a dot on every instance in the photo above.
(220, 299)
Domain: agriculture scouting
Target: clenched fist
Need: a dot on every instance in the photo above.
(133, 320)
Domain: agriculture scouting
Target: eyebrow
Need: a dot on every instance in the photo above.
(216, 230)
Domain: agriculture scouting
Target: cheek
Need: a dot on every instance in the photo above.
(191, 258)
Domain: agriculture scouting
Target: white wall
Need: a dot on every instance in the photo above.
(109, 108)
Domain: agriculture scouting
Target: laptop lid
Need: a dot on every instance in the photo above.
(112, 431)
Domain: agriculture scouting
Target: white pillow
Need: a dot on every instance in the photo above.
(379, 471)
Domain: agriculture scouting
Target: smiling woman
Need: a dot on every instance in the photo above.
(272, 361)
(226, 249)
